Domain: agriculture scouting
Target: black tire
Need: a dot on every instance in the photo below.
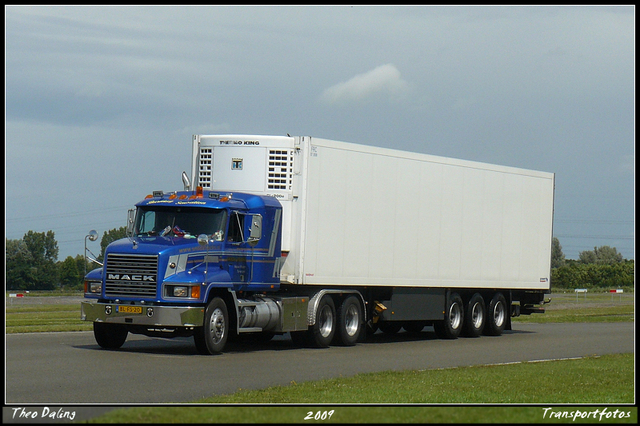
(474, 316)
(390, 327)
(349, 318)
(451, 326)
(414, 326)
(211, 338)
(321, 333)
(497, 315)
(299, 338)
(110, 336)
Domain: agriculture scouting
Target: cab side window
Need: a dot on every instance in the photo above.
(236, 223)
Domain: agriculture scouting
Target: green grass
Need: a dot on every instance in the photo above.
(607, 380)
(623, 313)
(595, 307)
(46, 293)
(40, 318)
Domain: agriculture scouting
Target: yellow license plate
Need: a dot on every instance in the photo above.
(129, 309)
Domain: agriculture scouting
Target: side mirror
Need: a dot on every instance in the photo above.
(131, 214)
(255, 232)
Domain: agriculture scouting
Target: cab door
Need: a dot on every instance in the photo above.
(237, 251)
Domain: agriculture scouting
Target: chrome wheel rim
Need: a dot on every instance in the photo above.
(476, 316)
(351, 320)
(498, 314)
(217, 325)
(455, 317)
(325, 320)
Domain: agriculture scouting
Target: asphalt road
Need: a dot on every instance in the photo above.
(70, 368)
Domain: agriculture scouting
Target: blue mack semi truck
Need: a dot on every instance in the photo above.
(326, 241)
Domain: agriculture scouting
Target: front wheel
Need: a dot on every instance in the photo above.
(110, 336)
(212, 336)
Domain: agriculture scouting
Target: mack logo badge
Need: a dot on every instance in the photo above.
(125, 277)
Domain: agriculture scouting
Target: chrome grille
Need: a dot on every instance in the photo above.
(130, 275)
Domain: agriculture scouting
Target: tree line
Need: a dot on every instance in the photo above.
(600, 268)
(32, 264)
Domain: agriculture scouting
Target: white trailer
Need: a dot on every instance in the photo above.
(418, 239)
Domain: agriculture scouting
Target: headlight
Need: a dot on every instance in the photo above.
(187, 291)
(180, 291)
(94, 287)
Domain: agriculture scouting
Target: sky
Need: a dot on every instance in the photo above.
(101, 101)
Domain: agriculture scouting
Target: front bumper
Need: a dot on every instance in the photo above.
(145, 315)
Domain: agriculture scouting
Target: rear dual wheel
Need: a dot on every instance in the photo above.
(349, 322)
(341, 326)
(321, 333)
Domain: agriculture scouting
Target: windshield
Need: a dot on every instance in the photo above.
(180, 221)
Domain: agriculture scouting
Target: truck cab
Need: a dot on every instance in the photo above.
(183, 249)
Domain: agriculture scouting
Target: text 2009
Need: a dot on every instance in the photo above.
(319, 415)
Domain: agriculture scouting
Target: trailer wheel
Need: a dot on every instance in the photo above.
(474, 316)
(349, 321)
(110, 336)
(322, 332)
(451, 326)
(212, 337)
(497, 316)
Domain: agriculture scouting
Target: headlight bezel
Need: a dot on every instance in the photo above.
(92, 287)
(182, 291)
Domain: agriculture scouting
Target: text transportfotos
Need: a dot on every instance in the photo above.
(577, 414)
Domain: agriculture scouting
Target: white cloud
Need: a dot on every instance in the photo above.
(385, 80)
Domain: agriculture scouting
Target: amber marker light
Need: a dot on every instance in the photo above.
(195, 292)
